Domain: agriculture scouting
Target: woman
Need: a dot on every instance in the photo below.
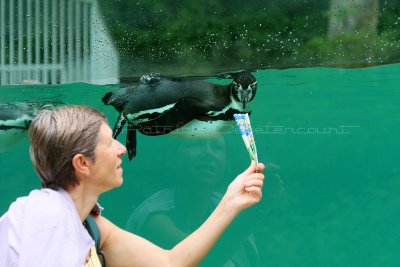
(77, 159)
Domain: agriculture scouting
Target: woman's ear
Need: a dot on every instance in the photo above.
(81, 165)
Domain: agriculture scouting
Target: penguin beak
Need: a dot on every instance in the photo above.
(244, 97)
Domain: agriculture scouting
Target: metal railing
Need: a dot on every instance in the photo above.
(55, 41)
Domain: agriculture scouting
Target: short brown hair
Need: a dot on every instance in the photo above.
(57, 136)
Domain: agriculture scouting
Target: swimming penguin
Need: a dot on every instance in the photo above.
(159, 105)
(15, 119)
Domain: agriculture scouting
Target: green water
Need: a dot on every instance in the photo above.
(329, 137)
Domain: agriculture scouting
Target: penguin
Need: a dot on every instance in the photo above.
(15, 119)
(160, 105)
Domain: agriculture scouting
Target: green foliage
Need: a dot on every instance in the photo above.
(361, 49)
(239, 34)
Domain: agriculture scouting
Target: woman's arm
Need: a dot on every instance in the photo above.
(122, 248)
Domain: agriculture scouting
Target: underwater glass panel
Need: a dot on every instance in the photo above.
(325, 118)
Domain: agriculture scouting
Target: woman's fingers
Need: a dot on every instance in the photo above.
(254, 168)
(254, 182)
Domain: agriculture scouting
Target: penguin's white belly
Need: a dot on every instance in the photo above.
(197, 128)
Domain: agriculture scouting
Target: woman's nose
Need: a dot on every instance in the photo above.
(121, 149)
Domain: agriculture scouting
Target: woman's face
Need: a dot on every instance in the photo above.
(106, 170)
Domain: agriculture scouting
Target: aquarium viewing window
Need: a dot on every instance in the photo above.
(322, 97)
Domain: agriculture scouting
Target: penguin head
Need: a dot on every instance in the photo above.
(243, 87)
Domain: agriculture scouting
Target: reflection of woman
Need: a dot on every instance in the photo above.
(169, 215)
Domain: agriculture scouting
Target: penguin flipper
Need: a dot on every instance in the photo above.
(131, 141)
(119, 125)
(184, 111)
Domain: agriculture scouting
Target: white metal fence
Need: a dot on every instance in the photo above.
(55, 41)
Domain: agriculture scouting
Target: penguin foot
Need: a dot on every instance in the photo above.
(151, 78)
